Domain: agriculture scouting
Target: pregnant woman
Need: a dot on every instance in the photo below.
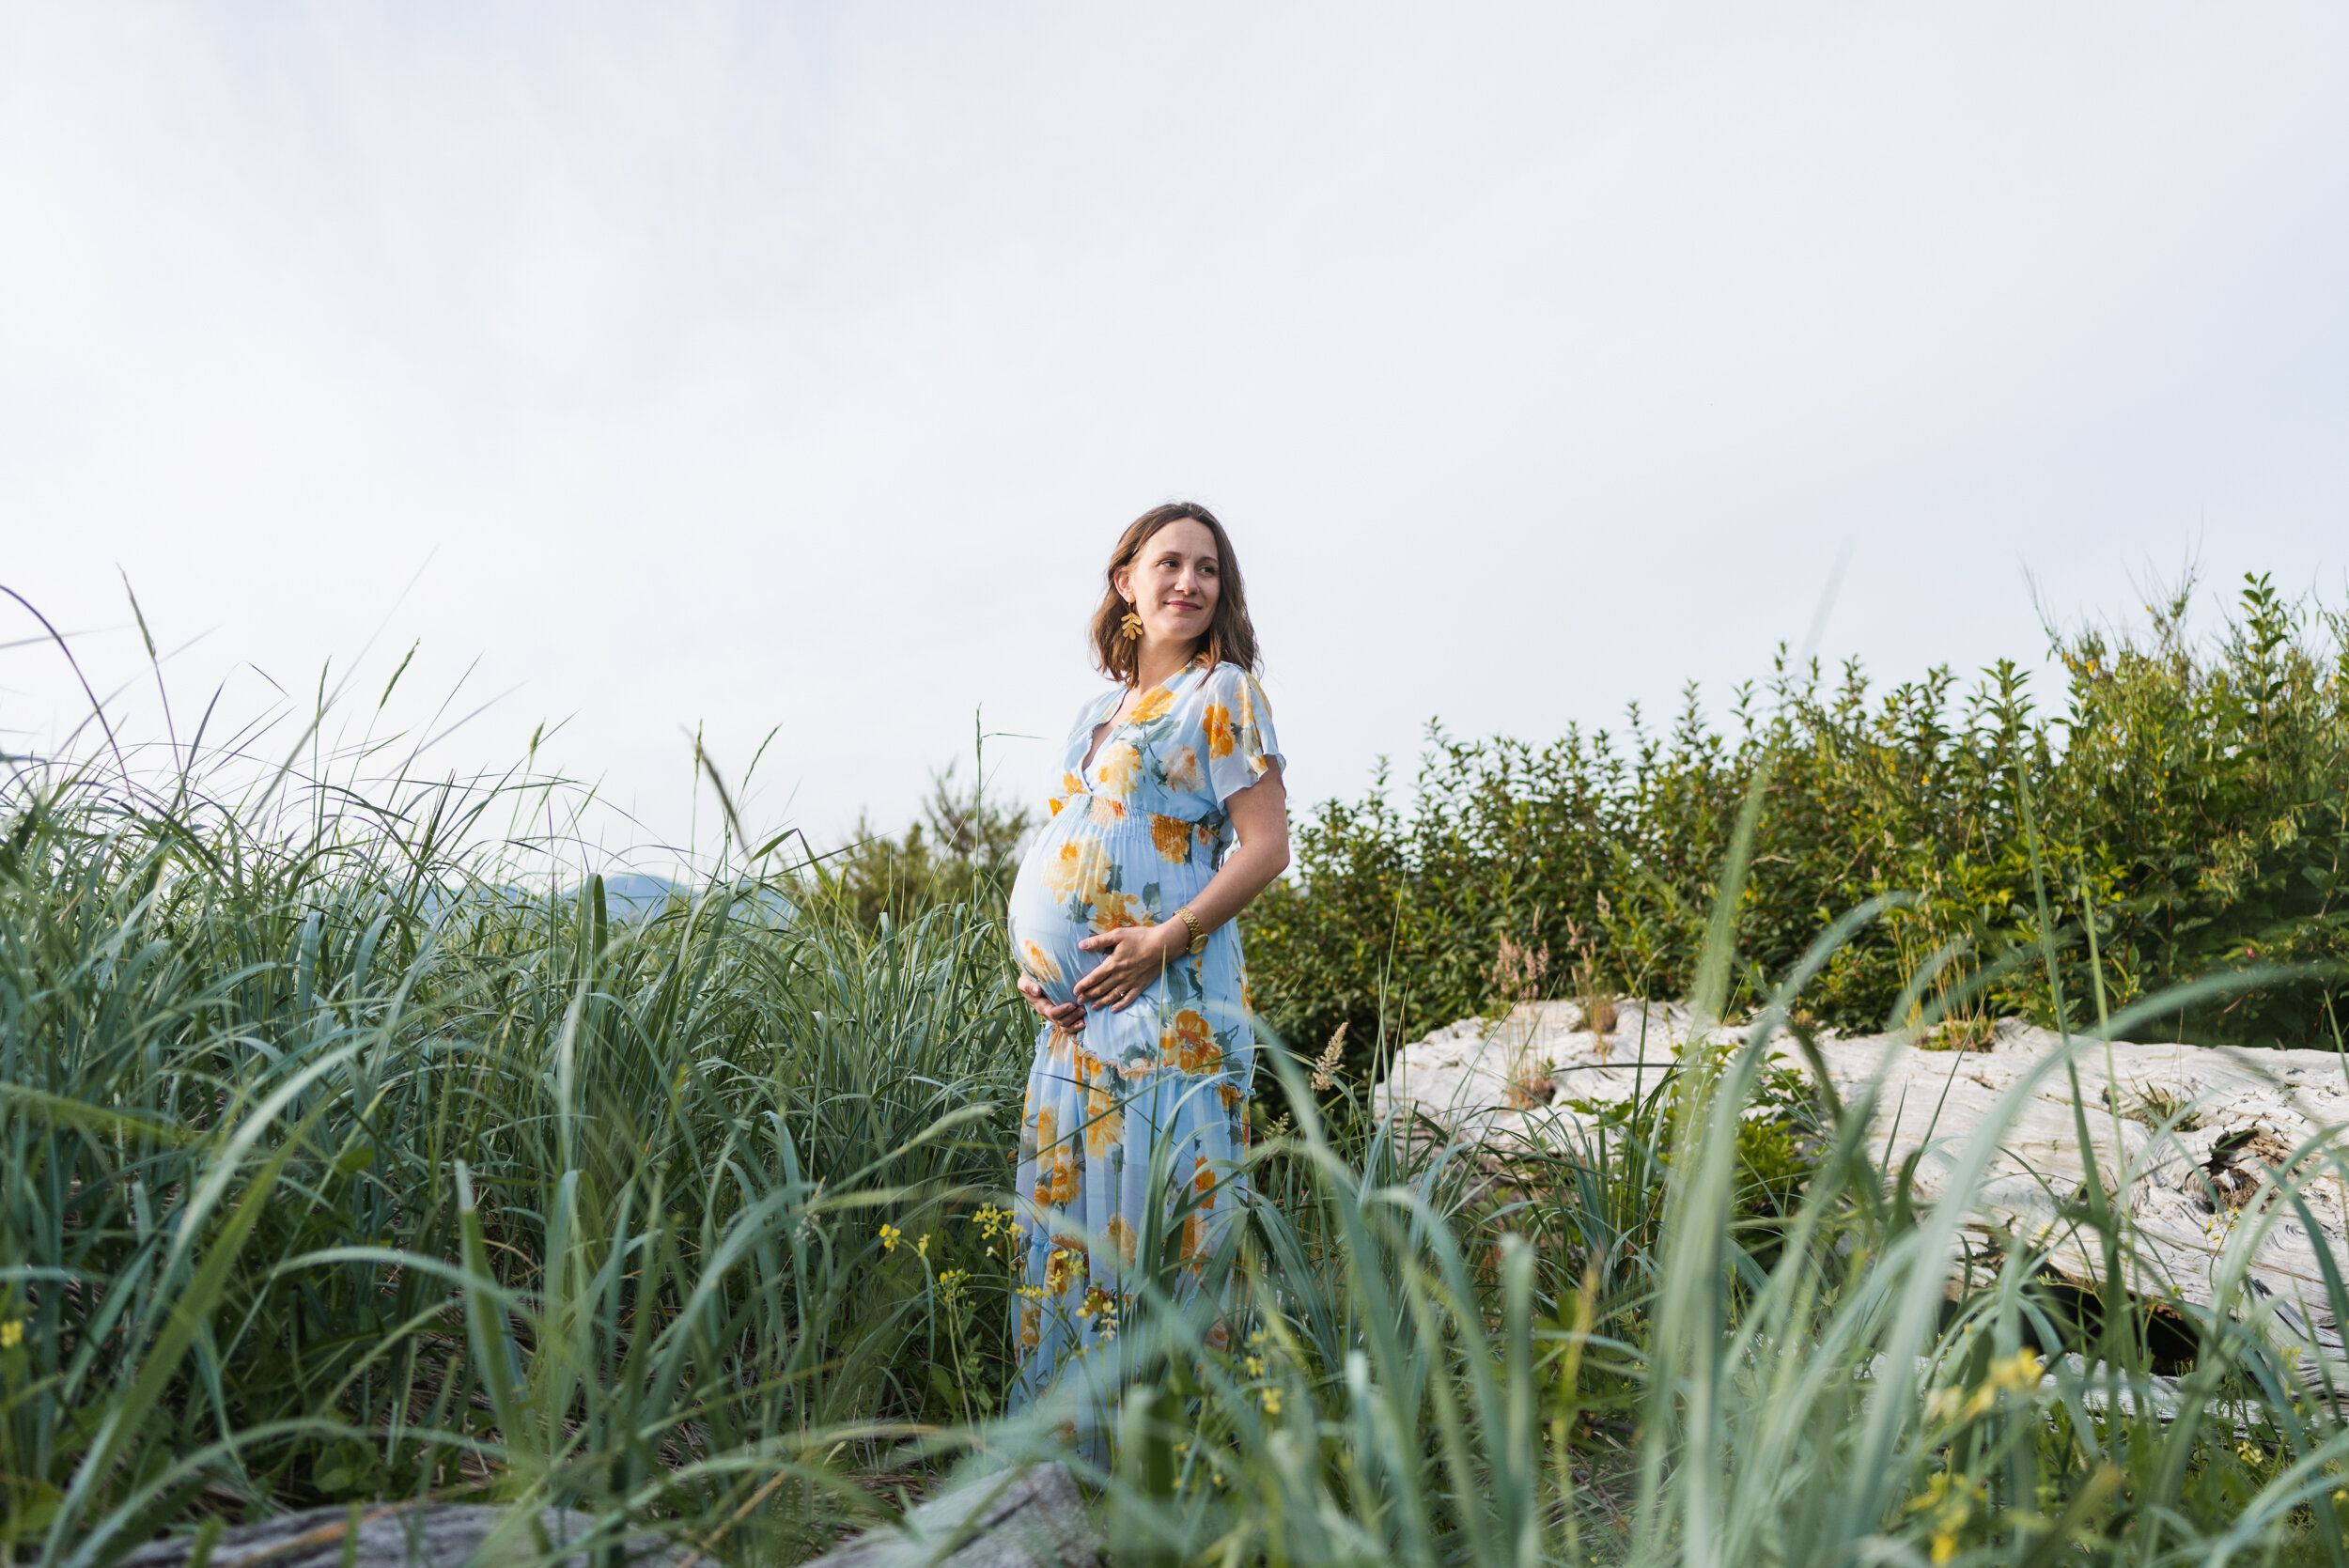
(1168, 819)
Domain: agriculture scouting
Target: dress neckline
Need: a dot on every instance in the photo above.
(1109, 725)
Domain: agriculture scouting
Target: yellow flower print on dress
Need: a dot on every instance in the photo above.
(1172, 835)
(1194, 1255)
(1121, 1235)
(1105, 1121)
(1191, 1044)
(1039, 964)
(1069, 786)
(1077, 869)
(1120, 768)
(1217, 720)
(1148, 824)
(1055, 1163)
(1182, 769)
(1114, 911)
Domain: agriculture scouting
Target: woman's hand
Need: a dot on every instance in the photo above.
(1138, 954)
(1067, 1014)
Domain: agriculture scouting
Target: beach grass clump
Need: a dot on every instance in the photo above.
(339, 1165)
(351, 1155)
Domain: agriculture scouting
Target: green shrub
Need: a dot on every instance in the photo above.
(2191, 802)
(964, 849)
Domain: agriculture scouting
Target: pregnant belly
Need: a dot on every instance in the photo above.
(1044, 940)
(1081, 877)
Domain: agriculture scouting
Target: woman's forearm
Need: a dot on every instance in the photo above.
(1246, 871)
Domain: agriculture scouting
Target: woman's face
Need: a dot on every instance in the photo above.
(1175, 581)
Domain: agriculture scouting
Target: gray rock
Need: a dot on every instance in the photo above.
(1030, 1518)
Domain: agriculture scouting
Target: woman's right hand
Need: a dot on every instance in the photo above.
(1069, 1015)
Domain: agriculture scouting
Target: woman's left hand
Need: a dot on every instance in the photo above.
(1138, 954)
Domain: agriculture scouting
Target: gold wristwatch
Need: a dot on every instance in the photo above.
(1198, 932)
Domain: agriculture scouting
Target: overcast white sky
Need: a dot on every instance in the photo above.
(757, 365)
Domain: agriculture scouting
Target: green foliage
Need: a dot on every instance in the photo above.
(2193, 802)
(340, 1165)
(964, 850)
(336, 1167)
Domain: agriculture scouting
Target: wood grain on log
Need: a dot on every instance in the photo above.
(2183, 1137)
(409, 1536)
(1031, 1518)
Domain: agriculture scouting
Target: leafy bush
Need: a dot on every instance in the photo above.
(2191, 803)
(965, 849)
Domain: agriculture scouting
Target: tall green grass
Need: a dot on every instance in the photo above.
(341, 1164)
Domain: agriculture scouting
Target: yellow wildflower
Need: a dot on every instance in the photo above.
(890, 1237)
(11, 1333)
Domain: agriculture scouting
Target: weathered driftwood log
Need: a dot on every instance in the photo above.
(1031, 1518)
(2188, 1137)
(409, 1535)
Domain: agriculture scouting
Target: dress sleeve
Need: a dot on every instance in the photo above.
(1239, 723)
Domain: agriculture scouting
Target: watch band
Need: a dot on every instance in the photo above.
(1198, 932)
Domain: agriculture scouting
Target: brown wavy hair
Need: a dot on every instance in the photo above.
(1231, 638)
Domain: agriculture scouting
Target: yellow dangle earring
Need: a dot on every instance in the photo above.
(1130, 628)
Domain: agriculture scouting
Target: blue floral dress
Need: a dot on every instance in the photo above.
(1134, 836)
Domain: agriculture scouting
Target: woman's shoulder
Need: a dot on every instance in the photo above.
(1234, 687)
(1228, 680)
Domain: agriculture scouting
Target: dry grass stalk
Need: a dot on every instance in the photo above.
(1325, 1069)
(1600, 1017)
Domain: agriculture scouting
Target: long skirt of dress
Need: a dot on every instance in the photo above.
(1086, 1140)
